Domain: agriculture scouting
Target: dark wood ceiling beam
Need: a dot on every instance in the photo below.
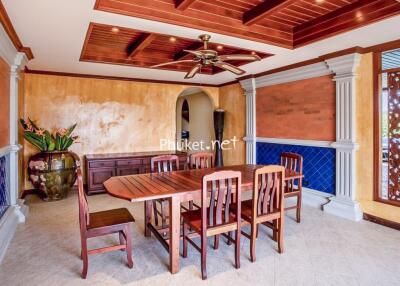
(181, 54)
(354, 15)
(140, 44)
(183, 4)
(263, 10)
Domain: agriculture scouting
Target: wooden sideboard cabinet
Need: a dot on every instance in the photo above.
(101, 167)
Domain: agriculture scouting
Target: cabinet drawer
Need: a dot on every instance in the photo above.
(101, 164)
(99, 176)
(129, 162)
(126, 171)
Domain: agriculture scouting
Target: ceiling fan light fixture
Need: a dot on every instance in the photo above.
(208, 57)
(193, 71)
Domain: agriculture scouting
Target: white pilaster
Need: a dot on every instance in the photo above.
(19, 63)
(249, 86)
(17, 211)
(344, 204)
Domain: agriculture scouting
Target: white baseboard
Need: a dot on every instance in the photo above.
(8, 224)
(312, 198)
(344, 208)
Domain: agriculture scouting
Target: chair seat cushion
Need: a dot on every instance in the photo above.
(193, 218)
(110, 217)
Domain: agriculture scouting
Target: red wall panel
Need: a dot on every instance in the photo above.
(303, 109)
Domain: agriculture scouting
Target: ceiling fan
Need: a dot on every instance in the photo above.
(208, 57)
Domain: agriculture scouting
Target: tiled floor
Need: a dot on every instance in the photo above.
(322, 250)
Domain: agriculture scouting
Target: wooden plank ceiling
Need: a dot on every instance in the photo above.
(118, 45)
(285, 23)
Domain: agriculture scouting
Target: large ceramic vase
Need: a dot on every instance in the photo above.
(53, 173)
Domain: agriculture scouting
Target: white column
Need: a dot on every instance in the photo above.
(249, 86)
(344, 204)
(19, 63)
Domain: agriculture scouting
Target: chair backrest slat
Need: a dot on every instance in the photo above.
(164, 163)
(83, 204)
(217, 191)
(268, 190)
(201, 160)
(293, 162)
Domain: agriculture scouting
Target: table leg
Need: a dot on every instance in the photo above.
(174, 232)
(148, 211)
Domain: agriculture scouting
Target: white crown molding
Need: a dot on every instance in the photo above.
(344, 66)
(249, 85)
(300, 73)
(7, 49)
(299, 142)
(20, 61)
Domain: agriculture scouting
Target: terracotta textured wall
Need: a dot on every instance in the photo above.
(4, 103)
(303, 109)
(233, 101)
(112, 116)
(365, 153)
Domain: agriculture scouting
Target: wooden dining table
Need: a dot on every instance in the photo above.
(179, 187)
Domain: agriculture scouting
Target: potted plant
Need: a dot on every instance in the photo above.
(53, 170)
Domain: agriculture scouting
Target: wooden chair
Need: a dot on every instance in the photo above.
(160, 164)
(214, 217)
(293, 188)
(266, 205)
(103, 223)
(201, 160)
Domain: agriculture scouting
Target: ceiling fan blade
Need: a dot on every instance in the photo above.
(229, 67)
(174, 62)
(239, 58)
(196, 53)
(193, 71)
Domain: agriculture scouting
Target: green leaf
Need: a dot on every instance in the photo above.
(58, 142)
(34, 141)
(35, 127)
(52, 146)
(67, 144)
(70, 130)
(47, 137)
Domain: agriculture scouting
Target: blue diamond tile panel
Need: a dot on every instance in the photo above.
(318, 163)
(4, 186)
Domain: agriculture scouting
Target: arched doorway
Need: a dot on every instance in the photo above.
(194, 118)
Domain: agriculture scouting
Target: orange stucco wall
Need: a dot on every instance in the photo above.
(4, 103)
(112, 116)
(365, 138)
(233, 101)
(303, 109)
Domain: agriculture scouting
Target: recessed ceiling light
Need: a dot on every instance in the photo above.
(172, 39)
(359, 16)
(219, 47)
(115, 30)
